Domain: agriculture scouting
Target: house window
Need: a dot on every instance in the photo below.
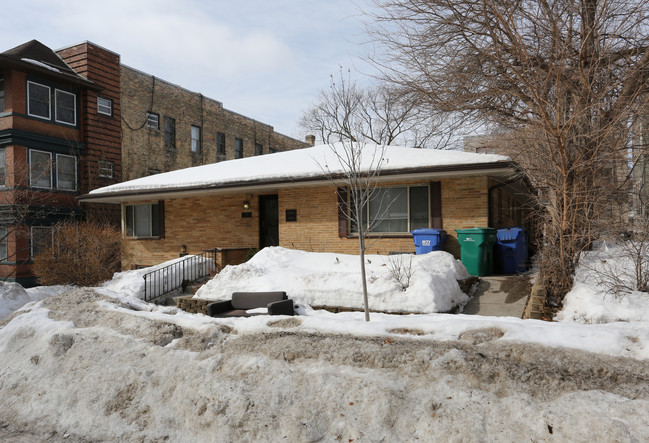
(220, 143)
(196, 138)
(170, 133)
(38, 100)
(104, 106)
(66, 107)
(259, 149)
(154, 171)
(142, 220)
(238, 148)
(66, 172)
(105, 169)
(42, 239)
(152, 120)
(272, 150)
(4, 243)
(40, 169)
(3, 167)
(396, 209)
(2, 94)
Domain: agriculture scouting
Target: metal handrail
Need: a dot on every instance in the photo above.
(164, 280)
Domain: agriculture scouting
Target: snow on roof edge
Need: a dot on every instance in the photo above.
(300, 165)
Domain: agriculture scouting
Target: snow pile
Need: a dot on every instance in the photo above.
(13, 296)
(86, 367)
(590, 302)
(131, 283)
(328, 279)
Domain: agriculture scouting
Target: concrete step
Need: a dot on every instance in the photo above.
(500, 296)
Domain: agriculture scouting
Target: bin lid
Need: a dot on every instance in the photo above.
(509, 233)
(427, 231)
(476, 231)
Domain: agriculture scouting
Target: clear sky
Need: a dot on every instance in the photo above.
(266, 59)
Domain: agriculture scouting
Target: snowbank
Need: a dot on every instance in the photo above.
(327, 279)
(85, 367)
(590, 302)
(13, 296)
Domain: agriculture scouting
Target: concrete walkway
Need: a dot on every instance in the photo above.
(500, 296)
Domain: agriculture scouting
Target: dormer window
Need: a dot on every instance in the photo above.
(66, 107)
(38, 100)
(39, 104)
(2, 94)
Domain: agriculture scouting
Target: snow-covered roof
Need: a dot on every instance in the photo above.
(300, 166)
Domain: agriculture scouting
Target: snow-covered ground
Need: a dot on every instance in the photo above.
(590, 301)
(101, 364)
(325, 279)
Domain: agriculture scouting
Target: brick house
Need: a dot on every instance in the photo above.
(51, 132)
(76, 119)
(287, 199)
(166, 127)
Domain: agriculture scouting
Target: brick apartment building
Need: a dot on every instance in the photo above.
(76, 120)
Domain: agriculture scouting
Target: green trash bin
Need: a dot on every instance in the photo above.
(476, 246)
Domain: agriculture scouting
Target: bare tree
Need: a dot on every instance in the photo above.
(378, 114)
(565, 76)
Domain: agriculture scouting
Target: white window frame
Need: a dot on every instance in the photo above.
(49, 101)
(58, 180)
(56, 107)
(105, 169)
(151, 206)
(104, 104)
(31, 238)
(149, 120)
(3, 167)
(31, 169)
(2, 94)
(196, 142)
(4, 244)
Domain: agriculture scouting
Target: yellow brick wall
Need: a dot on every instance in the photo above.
(209, 222)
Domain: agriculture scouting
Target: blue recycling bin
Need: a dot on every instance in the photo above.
(428, 240)
(511, 250)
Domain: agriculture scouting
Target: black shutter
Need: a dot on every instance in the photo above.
(436, 205)
(161, 219)
(343, 208)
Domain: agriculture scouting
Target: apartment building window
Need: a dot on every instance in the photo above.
(40, 169)
(4, 243)
(3, 167)
(2, 94)
(143, 220)
(41, 239)
(259, 149)
(38, 100)
(196, 138)
(238, 148)
(170, 133)
(152, 120)
(66, 172)
(396, 210)
(220, 143)
(66, 107)
(104, 106)
(105, 169)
